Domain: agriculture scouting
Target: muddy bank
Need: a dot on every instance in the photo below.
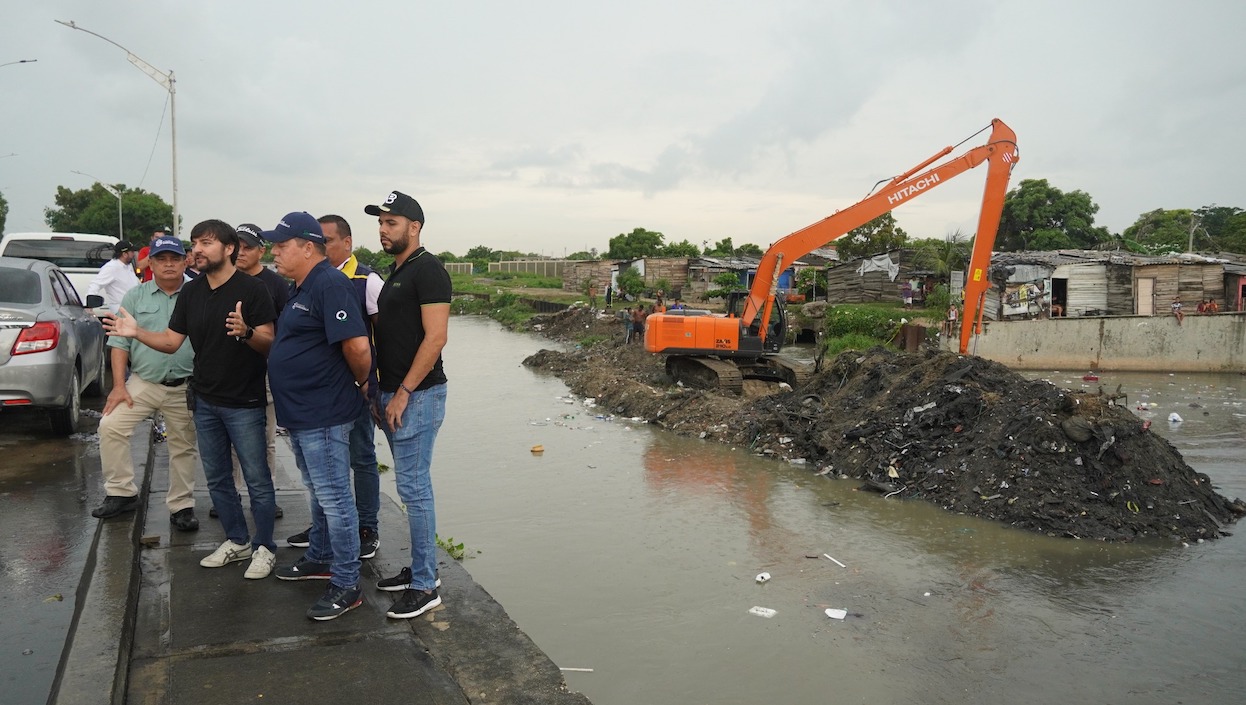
(961, 432)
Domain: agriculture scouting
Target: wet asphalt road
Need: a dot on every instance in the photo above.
(48, 486)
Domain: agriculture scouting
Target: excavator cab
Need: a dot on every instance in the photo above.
(776, 327)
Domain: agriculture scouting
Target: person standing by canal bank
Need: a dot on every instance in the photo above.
(339, 247)
(158, 384)
(228, 317)
(411, 329)
(319, 367)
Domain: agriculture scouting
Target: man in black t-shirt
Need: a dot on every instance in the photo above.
(411, 330)
(228, 317)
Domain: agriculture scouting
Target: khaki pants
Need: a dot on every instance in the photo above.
(118, 426)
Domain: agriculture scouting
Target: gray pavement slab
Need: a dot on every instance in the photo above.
(209, 635)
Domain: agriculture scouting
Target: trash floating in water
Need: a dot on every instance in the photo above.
(836, 614)
(576, 670)
(763, 577)
(762, 611)
(1090, 377)
(1174, 417)
(841, 565)
(538, 449)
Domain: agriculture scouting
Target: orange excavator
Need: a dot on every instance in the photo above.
(716, 351)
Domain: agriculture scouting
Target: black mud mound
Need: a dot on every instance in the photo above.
(965, 433)
(976, 438)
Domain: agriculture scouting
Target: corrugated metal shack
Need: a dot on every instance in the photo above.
(1093, 283)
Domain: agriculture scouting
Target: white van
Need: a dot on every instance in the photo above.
(79, 255)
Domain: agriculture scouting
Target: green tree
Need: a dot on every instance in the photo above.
(630, 282)
(682, 248)
(481, 252)
(750, 250)
(94, 210)
(584, 255)
(636, 244)
(722, 248)
(879, 235)
(1039, 216)
(447, 256)
(811, 281)
(4, 212)
(1159, 231)
(943, 256)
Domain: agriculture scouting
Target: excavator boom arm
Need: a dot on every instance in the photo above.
(1000, 151)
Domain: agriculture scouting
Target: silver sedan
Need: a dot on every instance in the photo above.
(51, 347)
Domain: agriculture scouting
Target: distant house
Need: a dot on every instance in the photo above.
(879, 277)
(1094, 283)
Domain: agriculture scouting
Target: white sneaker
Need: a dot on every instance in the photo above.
(229, 552)
(261, 564)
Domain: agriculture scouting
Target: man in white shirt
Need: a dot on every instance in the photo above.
(115, 278)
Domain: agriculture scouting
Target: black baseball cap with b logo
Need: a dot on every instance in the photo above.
(398, 203)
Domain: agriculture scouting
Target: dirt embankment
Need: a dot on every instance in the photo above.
(965, 433)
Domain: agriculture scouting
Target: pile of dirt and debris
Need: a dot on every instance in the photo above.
(965, 433)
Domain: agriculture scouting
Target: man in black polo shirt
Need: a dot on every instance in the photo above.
(228, 317)
(411, 330)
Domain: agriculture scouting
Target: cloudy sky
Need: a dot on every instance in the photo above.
(551, 126)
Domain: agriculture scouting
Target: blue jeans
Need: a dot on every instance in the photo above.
(363, 463)
(412, 448)
(323, 457)
(220, 428)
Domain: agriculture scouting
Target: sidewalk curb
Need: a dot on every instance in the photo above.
(97, 647)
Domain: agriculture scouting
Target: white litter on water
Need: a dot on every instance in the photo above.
(762, 611)
(836, 614)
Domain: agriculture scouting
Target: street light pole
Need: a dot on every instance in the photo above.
(114, 192)
(170, 84)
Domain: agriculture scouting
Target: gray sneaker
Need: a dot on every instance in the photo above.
(335, 602)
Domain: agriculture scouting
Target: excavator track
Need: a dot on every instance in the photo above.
(705, 373)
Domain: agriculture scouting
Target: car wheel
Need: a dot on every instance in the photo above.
(96, 388)
(65, 419)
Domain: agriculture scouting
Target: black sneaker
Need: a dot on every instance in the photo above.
(212, 513)
(300, 540)
(335, 602)
(413, 603)
(401, 582)
(280, 512)
(369, 541)
(304, 570)
(115, 506)
(184, 520)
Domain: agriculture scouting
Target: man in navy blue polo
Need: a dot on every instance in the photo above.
(318, 369)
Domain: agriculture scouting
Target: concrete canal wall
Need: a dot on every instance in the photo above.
(1215, 343)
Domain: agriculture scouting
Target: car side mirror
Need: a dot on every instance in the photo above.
(94, 301)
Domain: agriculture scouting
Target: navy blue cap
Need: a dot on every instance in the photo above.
(297, 224)
(166, 244)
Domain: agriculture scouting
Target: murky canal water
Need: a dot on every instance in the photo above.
(632, 552)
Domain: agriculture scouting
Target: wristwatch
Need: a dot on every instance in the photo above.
(246, 336)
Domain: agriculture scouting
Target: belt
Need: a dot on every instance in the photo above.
(175, 382)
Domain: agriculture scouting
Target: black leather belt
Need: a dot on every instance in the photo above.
(175, 382)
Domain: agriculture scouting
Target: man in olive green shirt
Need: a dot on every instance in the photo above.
(157, 383)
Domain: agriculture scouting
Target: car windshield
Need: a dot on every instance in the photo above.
(62, 252)
(18, 286)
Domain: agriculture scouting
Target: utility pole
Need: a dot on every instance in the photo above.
(169, 83)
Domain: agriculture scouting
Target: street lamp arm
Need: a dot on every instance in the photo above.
(19, 61)
(167, 81)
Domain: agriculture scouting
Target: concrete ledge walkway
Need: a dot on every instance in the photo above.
(153, 627)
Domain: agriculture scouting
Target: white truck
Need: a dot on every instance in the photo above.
(79, 255)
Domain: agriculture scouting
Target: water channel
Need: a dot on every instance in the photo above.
(632, 552)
